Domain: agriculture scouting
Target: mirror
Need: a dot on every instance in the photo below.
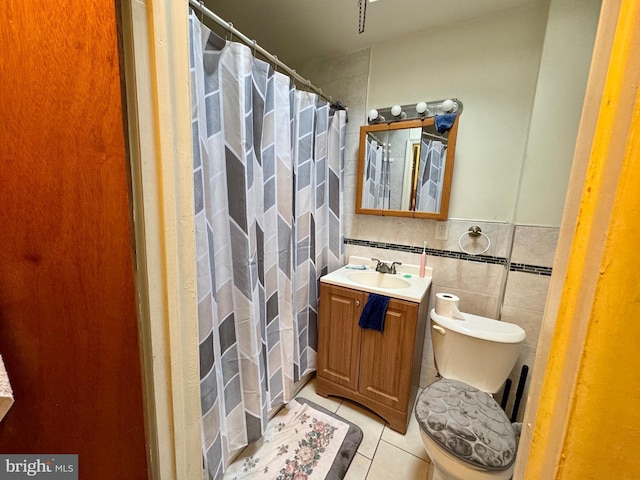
(405, 169)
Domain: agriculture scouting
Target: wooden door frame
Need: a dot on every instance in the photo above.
(156, 60)
(610, 109)
(156, 69)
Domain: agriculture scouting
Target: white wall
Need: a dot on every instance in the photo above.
(491, 65)
(519, 96)
(556, 113)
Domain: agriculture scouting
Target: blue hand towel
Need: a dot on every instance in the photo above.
(445, 122)
(374, 312)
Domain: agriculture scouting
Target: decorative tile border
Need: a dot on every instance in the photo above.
(513, 267)
(522, 267)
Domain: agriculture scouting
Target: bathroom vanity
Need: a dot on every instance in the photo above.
(381, 371)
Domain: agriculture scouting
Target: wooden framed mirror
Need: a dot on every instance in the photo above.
(405, 169)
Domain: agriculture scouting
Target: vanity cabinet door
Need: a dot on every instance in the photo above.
(339, 335)
(386, 359)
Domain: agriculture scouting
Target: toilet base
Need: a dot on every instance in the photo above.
(436, 474)
(432, 473)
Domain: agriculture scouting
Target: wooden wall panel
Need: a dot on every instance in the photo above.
(68, 326)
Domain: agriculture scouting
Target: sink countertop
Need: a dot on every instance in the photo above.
(414, 292)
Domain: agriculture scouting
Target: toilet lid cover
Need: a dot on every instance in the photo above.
(467, 423)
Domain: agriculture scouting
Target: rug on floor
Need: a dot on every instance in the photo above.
(303, 441)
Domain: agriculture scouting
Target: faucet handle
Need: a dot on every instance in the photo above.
(381, 266)
(393, 266)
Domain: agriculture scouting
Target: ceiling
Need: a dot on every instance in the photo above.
(297, 30)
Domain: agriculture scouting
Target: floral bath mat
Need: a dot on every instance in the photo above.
(303, 441)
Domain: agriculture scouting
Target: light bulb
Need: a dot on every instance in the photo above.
(421, 107)
(373, 115)
(448, 105)
(396, 110)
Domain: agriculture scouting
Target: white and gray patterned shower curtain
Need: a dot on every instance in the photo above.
(430, 175)
(376, 178)
(268, 168)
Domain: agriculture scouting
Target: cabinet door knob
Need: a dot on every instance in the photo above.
(357, 303)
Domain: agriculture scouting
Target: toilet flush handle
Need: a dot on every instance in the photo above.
(439, 329)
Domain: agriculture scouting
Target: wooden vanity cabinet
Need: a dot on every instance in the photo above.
(378, 370)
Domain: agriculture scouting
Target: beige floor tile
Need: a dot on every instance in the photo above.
(410, 442)
(309, 392)
(391, 462)
(359, 468)
(371, 425)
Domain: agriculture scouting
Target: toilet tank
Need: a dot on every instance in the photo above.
(475, 350)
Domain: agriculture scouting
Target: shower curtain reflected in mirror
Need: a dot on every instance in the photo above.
(376, 192)
(268, 167)
(433, 159)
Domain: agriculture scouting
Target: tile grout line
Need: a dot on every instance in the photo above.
(376, 450)
(405, 451)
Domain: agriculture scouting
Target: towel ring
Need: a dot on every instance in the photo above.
(474, 232)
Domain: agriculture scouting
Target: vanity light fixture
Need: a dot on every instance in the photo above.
(397, 112)
(415, 111)
(375, 117)
(449, 106)
(421, 108)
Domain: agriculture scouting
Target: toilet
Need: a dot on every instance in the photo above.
(464, 430)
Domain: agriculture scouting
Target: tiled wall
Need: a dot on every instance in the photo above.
(526, 293)
(505, 283)
(509, 281)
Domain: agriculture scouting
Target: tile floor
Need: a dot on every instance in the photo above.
(383, 453)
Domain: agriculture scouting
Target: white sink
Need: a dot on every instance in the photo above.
(377, 279)
(404, 285)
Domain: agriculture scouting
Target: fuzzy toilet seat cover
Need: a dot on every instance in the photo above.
(467, 423)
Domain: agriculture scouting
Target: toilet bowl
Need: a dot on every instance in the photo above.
(449, 467)
(466, 434)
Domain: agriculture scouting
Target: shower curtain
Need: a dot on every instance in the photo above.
(268, 169)
(430, 175)
(375, 188)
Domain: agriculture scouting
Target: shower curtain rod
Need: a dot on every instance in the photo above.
(377, 139)
(252, 43)
(436, 137)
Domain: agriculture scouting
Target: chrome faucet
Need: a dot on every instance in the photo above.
(385, 267)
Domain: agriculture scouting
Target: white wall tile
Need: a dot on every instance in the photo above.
(382, 229)
(526, 290)
(357, 90)
(483, 278)
(535, 245)
(446, 271)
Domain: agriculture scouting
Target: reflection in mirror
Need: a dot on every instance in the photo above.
(405, 169)
(429, 176)
(376, 186)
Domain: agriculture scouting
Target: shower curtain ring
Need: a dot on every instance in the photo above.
(255, 46)
(201, 11)
(230, 31)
